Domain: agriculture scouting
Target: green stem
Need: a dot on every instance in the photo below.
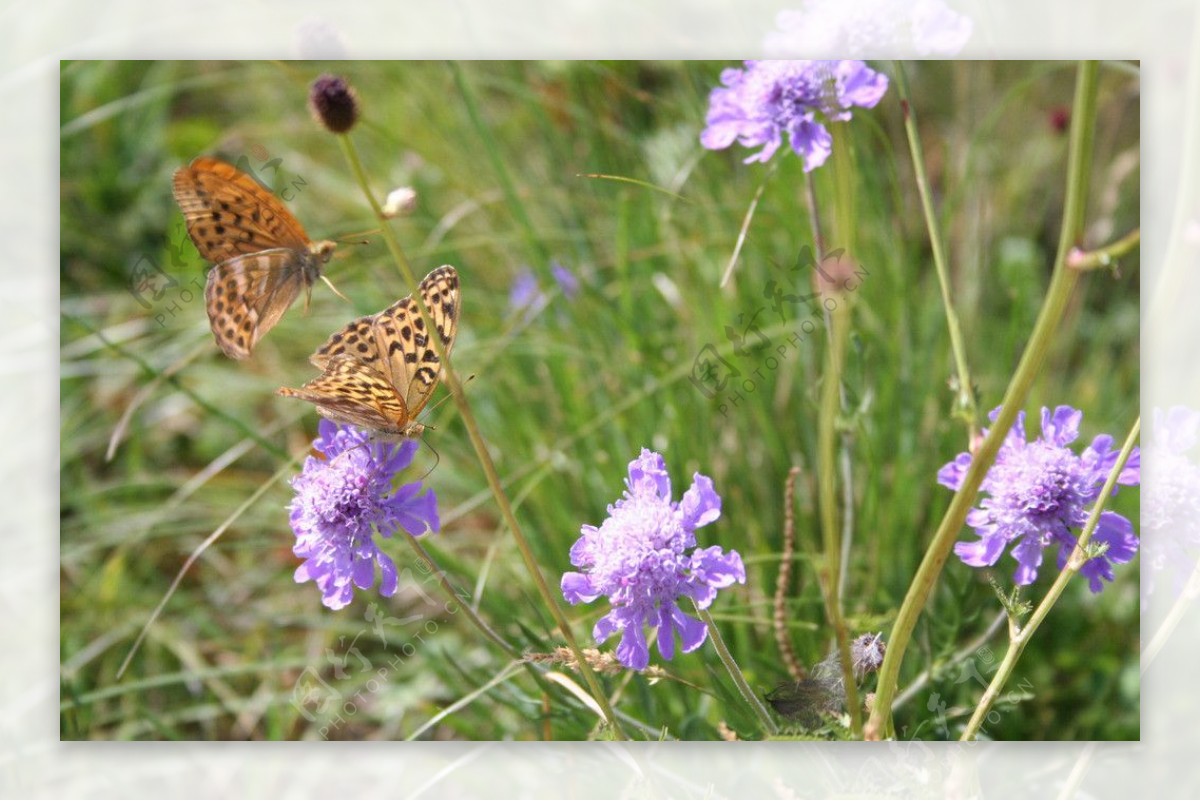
(447, 588)
(1074, 563)
(1105, 256)
(966, 406)
(1059, 293)
(1171, 621)
(507, 186)
(756, 706)
(833, 403)
(481, 450)
(827, 491)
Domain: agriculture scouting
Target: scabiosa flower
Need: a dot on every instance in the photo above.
(1171, 499)
(525, 293)
(639, 559)
(1038, 492)
(566, 280)
(759, 104)
(334, 103)
(895, 28)
(342, 500)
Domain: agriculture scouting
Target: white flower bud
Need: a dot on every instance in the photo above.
(400, 202)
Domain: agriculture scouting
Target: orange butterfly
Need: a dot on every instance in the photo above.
(379, 371)
(262, 255)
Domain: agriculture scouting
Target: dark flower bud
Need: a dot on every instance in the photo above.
(334, 103)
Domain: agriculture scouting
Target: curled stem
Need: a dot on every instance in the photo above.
(784, 579)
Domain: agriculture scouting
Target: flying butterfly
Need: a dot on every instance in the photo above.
(262, 255)
(380, 370)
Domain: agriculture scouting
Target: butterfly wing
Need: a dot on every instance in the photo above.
(393, 342)
(412, 363)
(351, 392)
(246, 295)
(356, 339)
(228, 214)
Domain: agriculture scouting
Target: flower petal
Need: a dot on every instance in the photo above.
(577, 588)
(701, 504)
(632, 651)
(692, 632)
(648, 474)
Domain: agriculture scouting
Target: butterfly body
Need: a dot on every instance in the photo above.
(379, 371)
(262, 254)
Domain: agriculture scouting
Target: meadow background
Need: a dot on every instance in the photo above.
(566, 391)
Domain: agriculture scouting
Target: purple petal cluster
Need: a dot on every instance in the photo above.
(1171, 499)
(758, 105)
(885, 28)
(644, 559)
(524, 293)
(1038, 492)
(343, 500)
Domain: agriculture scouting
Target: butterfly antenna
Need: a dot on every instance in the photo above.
(438, 457)
(329, 284)
(347, 238)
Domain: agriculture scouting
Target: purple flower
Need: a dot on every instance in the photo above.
(1171, 499)
(637, 559)
(342, 500)
(891, 28)
(1038, 492)
(759, 104)
(565, 279)
(524, 292)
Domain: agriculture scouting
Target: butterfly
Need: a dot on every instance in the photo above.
(380, 370)
(262, 255)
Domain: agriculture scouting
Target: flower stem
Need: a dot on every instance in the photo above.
(1190, 590)
(1105, 256)
(834, 533)
(756, 706)
(513, 198)
(447, 588)
(827, 490)
(485, 458)
(1078, 558)
(1059, 293)
(966, 406)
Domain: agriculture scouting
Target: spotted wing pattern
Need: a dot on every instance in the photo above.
(246, 295)
(263, 255)
(350, 392)
(229, 214)
(395, 342)
(391, 346)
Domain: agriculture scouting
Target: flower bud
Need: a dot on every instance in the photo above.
(334, 103)
(866, 653)
(400, 202)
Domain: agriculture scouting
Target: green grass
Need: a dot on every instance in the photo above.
(565, 399)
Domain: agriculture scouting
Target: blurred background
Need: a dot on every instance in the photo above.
(163, 439)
